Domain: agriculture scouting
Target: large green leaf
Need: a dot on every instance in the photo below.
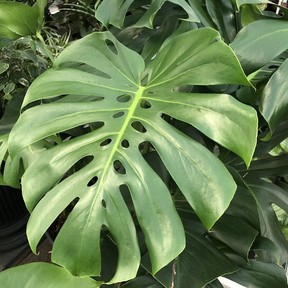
(265, 194)
(43, 275)
(114, 12)
(260, 275)
(103, 84)
(223, 15)
(17, 19)
(254, 38)
(202, 254)
(274, 100)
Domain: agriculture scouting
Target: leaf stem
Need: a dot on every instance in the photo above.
(46, 50)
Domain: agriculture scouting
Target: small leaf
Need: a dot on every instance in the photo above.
(3, 67)
(43, 275)
(254, 2)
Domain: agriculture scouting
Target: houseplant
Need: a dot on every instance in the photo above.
(154, 146)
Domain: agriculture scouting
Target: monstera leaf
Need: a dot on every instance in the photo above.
(99, 83)
(43, 275)
(114, 12)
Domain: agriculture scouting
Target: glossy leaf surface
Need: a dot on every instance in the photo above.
(43, 275)
(222, 14)
(267, 193)
(274, 100)
(102, 84)
(250, 44)
(203, 253)
(17, 19)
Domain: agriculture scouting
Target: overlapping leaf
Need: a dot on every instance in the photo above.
(17, 19)
(43, 275)
(274, 100)
(254, 38)
(114, 12)
(99, 83)
(202, 254)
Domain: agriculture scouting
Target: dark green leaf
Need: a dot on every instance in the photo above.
(267, 193)
(254, 38)
(274, 100)
(222, 14)
(143, 282)
(260, 275)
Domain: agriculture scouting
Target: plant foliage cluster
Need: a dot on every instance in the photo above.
(162, 125)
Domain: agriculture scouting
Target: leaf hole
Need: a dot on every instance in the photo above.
(118, 114)
(90, 69)
(93, 181)
(125, 143)
(272, 67)
(103, 203)
(111, 46)
(81, 163)
(81, 130)
(145, 147)
(150, 92)
(119, 168)
(98, 98)
(124, 98)
(106, 142)
(145, 104)
(138, 126)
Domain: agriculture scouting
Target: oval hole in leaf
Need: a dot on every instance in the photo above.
(272, 67)
(125, 143)
(138, 126)
(103, 203)
(106, 142)
(145, 147)
(81, 163)
(145, 104)
(98, 98)
(118, 167)
(93, 181)
(111, 46)
(90, 69)
(118, 114)
(124, 98)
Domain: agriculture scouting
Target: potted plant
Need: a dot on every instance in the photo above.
(149, 130)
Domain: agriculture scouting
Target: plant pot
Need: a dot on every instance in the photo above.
(13, 219)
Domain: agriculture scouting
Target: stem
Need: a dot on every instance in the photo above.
(46, 50)
(76, 10)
